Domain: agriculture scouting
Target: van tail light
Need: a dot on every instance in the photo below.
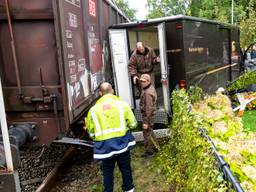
(179, 26)
(164, 81)
(182, 84)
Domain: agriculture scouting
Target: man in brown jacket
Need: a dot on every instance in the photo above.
(142, 61)
(148, 108)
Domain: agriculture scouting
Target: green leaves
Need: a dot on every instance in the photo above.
(186, 158)
(226, 130)
(248, 25)
(248, 78)
(162, 8)
(244, 13)
(124, 6)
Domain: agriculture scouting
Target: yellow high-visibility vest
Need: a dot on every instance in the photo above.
(110, 117)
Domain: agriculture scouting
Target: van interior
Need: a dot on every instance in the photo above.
(149, 36)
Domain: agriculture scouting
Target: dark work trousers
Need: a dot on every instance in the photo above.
(148, 135)
(123, 161)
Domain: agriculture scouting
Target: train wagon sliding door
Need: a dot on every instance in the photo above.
(120, 58)
(164, 67)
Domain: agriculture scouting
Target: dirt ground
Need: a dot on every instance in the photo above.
(87, 177)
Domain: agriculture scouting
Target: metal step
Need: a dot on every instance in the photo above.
(160, 117)
(159, 133)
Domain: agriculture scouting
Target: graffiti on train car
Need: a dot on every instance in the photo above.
(94, 47)
(52, 67)
(92, 8)
(76, 64)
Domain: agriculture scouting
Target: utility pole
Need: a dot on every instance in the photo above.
(4, 128)
(232, 12)
(9, 179)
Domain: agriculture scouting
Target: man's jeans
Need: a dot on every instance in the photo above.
(124, 163)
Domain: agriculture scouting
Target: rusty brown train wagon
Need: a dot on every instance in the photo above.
(53, 56)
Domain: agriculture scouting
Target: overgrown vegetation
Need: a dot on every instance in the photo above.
(248, 78)
(186, 158)
(234, 144)
(195, 94)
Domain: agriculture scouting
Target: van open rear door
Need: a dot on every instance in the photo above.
(120, 58)
(164, 66)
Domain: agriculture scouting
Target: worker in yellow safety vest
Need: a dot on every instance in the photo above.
(109, 122)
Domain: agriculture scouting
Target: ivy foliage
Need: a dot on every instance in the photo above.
(195, 94)
(248, 78)
(233, 143)
(186, 158)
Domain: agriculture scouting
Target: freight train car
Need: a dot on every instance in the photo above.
(53, 56)
(193, 51)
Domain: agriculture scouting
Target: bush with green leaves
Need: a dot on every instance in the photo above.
(246, 79)
(233, 143)
(186, 158)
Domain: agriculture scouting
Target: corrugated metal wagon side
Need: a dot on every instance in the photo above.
(53, 56)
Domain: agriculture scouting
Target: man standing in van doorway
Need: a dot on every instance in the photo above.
(142, 61)
(148, 108)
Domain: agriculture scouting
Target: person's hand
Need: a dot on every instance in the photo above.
(135, 78)
(145, 126)
(158, 59)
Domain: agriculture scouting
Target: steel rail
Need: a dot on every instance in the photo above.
(59, 168)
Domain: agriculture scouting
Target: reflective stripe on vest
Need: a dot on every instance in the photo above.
(103, 156)
(100, 132)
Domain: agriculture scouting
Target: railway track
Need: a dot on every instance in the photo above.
(82, 172)
(73, 157)
(36, 162)
(59, 168)
(42, 167)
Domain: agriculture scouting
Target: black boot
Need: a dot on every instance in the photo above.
(147, 154)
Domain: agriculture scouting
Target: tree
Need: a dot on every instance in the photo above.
(162, 8)
(214, 10)
(219, 10)
(244, 13)
(248, 26)
(125, 8)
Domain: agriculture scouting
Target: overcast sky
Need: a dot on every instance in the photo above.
(139, 5)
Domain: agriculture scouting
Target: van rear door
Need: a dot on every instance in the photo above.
(120, 58)
(164, 67)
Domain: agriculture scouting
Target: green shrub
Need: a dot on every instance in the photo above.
(186, 157)
(248, 78)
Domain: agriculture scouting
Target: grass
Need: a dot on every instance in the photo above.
(146, 176)
(87, 177)
(249, 120)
